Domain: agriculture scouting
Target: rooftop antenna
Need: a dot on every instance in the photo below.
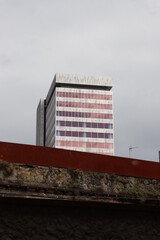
(130, 149)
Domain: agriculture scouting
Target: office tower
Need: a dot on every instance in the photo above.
(77, 114)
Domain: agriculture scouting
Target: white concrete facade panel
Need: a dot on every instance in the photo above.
(83, 80)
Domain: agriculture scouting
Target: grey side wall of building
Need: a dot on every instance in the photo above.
(50, 123)
(40, 128)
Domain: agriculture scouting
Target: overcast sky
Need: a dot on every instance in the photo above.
(118, 38)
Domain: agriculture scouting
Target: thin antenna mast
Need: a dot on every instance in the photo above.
(130, 150)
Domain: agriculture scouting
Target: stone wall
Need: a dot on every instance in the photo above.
(54, 203)
(53, 182)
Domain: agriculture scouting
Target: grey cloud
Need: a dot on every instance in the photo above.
(5, 60)
(117, 38)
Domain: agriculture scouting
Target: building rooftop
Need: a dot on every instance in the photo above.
(83, 79)
(104, 83)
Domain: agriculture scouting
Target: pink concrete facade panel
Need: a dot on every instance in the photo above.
(79, 144)
(84, 95)
(84, 105)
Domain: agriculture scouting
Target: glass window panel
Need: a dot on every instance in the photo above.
(88, 125)
(73, 134)
(84, 124)
(58, 133)
(67, 124)
(80, 124)
(100, 125)
(74, 124)
(100, 135)
(94, 125)
(68, 133)
(94, 135)
(88, 134)
(80, 134)
(84, 134)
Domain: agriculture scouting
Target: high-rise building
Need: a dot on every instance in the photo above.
(77, 114)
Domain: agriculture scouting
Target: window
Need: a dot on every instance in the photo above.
(74, 124)
(58, 133)
(68, 124)
(58, 123)
(100, 135)
(84, 124)
(94, 125)
(88, 134)
(84, 134)
(94, 135)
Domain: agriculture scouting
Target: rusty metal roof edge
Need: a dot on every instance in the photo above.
(44, 156)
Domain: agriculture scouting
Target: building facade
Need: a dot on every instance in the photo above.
(77, 114)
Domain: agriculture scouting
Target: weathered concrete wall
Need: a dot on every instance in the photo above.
(77, 184)
(40, 222)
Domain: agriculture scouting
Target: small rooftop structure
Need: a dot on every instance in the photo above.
(82, 80)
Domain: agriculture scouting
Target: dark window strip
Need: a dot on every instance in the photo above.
(84, 134)
(84, 124)
(84, 115)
